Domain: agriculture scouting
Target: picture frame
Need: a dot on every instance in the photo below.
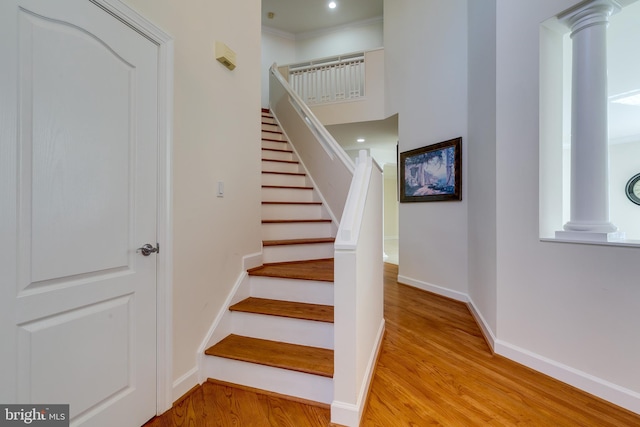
(432, 173)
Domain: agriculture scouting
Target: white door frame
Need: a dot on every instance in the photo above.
(164, 286)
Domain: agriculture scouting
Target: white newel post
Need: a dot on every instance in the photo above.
(589, 219)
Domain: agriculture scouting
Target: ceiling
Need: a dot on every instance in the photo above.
(377, 134)
(302, 16)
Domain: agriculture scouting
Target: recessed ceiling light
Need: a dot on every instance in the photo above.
(628, 98)
(360, 140)
(332, 5)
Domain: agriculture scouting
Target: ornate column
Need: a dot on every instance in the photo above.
(589, 220)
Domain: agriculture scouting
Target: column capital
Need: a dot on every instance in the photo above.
(588, 13)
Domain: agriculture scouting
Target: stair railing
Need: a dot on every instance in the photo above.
(325, 160)
(335, 79)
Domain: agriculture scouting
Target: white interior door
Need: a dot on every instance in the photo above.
(78, 190)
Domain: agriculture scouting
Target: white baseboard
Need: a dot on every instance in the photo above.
(186, 382)
(348, 414)
(484, 326)
(613, 393)
(458, 296)
(252, 260)
(345, 414)
(221, 324)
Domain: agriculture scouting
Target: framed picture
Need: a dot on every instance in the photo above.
(432, 173)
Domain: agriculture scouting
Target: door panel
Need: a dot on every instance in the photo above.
(65, 206)
(53, 371)
(78, 161)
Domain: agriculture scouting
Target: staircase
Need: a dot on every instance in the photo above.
(281, 336)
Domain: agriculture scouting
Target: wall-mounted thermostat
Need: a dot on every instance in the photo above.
(225, 56)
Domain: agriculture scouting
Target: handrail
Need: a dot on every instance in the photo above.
(349, 230)
(327, 141)
(303, 66)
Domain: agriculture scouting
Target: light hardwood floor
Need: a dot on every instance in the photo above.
(434, 369)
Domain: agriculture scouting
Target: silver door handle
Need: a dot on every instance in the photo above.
(147, 249)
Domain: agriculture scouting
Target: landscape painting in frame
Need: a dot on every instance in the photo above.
(432, 173)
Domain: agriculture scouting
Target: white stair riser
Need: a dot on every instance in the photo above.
(288, 195)
(286, 211)
(271, 135)
(296, 230)
(285, 180)
(283, 253)
(277, 155)
(296, 290)
(268, 166)
(270, 127)
(290, 383)
(278, 145)
(282, 329)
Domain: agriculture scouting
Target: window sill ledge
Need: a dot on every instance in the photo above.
(627, 243)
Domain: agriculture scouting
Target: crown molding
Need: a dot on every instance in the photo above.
(350, 25)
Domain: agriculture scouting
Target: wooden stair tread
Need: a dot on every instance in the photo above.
(289, 187)
(275, 140)
(290, 203)
(293, 310)
(310, 360)
(286, 173)
(281, 161)
(293, 221)
(278, 150)
(315, 269)
(272, 131)
(298, 241)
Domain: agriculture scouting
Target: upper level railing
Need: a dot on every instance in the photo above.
(334, 101)
(334, 79)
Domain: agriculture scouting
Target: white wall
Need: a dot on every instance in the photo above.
(216, 138)
(426, 83)
(568, 309)
(390, 205)
(481, 169)
(356, 37)
(278, 47)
